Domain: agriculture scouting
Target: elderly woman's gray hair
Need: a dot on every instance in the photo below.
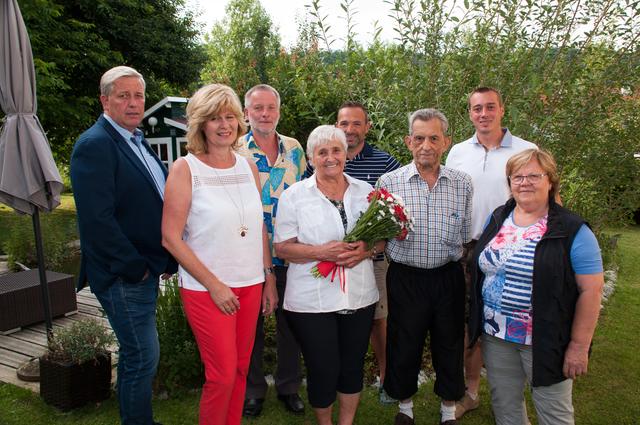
(428, 114)
(109, 77)
(322, 135)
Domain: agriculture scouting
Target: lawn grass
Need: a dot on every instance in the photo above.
(609, 394)
(64, 215)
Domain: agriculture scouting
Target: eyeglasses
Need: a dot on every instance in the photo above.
(531, 178)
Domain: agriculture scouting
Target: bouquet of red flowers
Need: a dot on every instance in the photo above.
(386, 217)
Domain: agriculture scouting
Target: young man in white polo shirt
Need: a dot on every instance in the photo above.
(484, 157)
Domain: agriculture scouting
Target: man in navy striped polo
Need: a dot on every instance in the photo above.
(368, 163)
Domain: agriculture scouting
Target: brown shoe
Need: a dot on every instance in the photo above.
(402, 419)
(466, 404)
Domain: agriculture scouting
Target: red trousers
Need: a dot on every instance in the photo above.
(225, 343)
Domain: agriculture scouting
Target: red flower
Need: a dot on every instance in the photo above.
(403, 234)
(384, 192)
(399, 213)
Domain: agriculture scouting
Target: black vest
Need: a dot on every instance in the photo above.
(554, 295)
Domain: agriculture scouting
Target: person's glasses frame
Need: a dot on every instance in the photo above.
(531, 178)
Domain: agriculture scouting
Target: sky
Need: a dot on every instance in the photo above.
(286, 14)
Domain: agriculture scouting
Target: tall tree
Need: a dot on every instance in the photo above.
(75, 41)
(242, 47)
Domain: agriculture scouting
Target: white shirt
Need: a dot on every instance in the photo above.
(222, 200)
(306, 214)
(487, 169)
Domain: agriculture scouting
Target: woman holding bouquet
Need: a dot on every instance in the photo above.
(330, 316)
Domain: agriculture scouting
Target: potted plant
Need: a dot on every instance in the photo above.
(76, 369)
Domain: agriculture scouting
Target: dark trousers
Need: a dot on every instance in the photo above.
(425, 301)
(131, 310)
(333, 346)
(288, 374)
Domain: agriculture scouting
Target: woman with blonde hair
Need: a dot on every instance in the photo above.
(212, 224)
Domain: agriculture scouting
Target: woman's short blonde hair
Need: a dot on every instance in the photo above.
(208, 102)
(546, 161)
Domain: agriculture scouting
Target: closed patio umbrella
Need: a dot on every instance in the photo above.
(29, 179)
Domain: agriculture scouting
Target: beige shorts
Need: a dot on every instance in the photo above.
(380, 272)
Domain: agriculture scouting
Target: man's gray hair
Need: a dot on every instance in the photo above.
(265, 87)
(322, 135)
(109, 77)
(426, 115)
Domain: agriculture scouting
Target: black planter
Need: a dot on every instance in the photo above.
(71, 385)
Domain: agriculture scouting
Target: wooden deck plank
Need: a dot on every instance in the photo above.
(93, 302)
(22, 347)
(12, 359)
(32, 336)
(8, 375)
(89, 309)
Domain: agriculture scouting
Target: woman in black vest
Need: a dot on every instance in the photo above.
(536, 295)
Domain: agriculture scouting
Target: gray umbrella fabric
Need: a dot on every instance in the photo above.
(29, 178)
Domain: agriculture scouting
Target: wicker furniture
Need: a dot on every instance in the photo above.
(21, 298)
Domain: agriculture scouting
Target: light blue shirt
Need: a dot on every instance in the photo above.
(134, 141)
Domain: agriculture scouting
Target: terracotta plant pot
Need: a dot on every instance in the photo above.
(70, 385)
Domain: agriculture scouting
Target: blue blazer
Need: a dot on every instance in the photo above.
(119, 210)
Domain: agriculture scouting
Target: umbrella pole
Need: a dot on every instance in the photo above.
(46, 301)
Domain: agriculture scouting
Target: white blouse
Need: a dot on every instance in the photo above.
(222, 201)
(306, 214)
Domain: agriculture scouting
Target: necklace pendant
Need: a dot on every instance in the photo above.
(243, 230)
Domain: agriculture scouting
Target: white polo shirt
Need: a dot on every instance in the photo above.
(306, 214)
(487, 171)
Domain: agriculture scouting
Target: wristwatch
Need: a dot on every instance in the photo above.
(268, 270)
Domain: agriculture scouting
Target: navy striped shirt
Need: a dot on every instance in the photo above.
(368, 165)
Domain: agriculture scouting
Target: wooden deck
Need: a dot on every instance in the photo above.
(31, 341)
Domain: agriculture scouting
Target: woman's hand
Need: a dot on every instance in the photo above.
(269, 295)
(356, 252)
(331, 251)
(576, 360)
(225, 299)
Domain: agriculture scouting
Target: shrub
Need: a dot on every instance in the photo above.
(83, 341)
(180, 367)
(567, 71)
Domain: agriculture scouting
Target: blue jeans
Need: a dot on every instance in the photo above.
(131, 310)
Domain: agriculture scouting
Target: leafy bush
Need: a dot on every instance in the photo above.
(567, 71)
(83, 341)
(180, 367)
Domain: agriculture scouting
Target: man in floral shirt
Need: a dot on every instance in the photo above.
(281, 162)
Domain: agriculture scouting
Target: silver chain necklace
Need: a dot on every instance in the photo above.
(243, 229)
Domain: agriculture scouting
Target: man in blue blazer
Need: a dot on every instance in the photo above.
(118, 185)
